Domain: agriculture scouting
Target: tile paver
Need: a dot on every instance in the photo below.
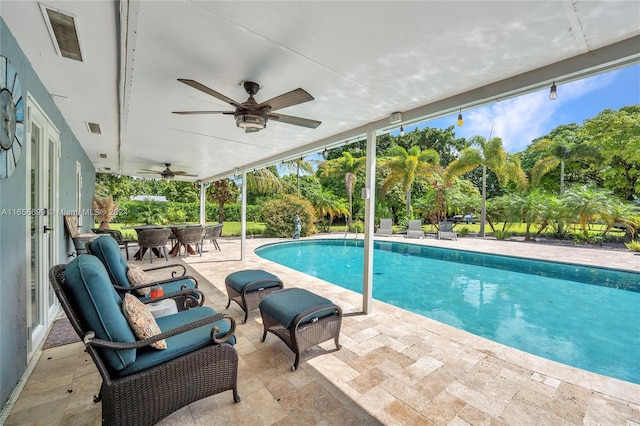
(395, 367)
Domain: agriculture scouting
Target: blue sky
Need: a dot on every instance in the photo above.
(518, 121)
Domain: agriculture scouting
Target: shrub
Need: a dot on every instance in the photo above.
(501, 235)
(278, 216)
(633, 246)
(463, 232)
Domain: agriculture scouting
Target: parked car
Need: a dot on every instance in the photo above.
(469, 218)
(457, 218)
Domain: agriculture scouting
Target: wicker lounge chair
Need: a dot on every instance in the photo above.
(178, 286)
(415, 229)
(385, 228)
(142, 385)
(445, 230)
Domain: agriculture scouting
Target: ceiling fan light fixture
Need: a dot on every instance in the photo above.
(250, 122)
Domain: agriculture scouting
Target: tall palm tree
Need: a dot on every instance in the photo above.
(298, 166)
(346, 166)
(491, 155)
(405, 166)
(559, 150)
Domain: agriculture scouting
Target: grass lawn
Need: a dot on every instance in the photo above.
(232, 229)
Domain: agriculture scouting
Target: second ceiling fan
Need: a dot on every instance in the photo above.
(251, 115)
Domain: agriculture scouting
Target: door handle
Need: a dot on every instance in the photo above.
(46, 228)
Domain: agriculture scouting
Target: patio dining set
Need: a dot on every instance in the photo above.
(155, 361)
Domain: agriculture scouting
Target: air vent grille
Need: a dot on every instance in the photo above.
(64, 31)
(94, 128)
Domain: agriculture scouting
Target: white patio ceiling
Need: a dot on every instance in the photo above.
(361, 61)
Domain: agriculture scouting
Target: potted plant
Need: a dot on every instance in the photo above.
(104, 210)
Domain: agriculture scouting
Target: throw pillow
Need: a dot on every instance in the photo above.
(137, 276)
(141, 321)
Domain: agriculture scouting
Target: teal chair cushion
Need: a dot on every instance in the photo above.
(180, 344)
(238, 280)
(107, 250)
(285, 305)
(99, 307)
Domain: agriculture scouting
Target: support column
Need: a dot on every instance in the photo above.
(203, 201)
(369, 219)
(243, 217)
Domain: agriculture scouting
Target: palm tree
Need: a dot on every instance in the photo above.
(297, 166)
(326, 203)
(588, 203)
(490, 155)
(263, 181)
(559, 150)
(405, 167)
(222, 192)
(346, 166)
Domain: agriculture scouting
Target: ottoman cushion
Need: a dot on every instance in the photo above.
(239, 280)
(285, 305)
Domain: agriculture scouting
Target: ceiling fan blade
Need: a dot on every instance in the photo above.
(201, 112)
(210, 92)
(288, 119)
(293, 97)
(181, 173)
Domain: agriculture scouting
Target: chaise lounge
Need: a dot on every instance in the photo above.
(141, 384)
(180, 287)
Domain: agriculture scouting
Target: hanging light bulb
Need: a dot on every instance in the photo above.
(460, 121)
(554, 91)
(401, 131)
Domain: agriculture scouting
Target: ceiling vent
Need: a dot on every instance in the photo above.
(63, 29)
(94, 128)
(102, 155)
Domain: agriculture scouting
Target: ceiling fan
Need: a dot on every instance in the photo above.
(251, 115)
(167, 173)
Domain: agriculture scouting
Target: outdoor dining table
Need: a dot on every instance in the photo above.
(175, 249)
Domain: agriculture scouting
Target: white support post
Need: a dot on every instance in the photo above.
(243, 217)
(369, 214)
(203, 198)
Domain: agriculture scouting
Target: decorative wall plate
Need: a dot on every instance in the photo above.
(11, 118)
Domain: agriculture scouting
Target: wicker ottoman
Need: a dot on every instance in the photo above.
(300, 319)
(247, 288)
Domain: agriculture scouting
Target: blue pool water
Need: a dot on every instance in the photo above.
(581, 316)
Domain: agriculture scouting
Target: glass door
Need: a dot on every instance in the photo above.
(44, 142)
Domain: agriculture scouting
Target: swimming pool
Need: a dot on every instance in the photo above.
(581, 316)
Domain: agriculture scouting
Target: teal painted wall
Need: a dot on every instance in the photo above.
(13, 229)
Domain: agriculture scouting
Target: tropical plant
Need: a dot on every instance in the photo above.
(263, 181)
(587, 203)
(347, 166)
(558, 151)
(327, 204)
(298, 166)
(222, 192)
(405, 167)
(490, 154)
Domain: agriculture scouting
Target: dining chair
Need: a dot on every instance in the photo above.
(154, 239)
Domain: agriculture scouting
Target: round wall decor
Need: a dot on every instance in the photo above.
(11, 118)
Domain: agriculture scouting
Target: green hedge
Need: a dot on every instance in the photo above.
(173, 212)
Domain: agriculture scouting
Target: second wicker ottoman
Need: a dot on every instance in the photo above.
(247, 288)
(301, 319)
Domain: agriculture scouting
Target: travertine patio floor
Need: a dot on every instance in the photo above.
(394, 368)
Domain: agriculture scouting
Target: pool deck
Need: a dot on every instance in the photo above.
(394, 367)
